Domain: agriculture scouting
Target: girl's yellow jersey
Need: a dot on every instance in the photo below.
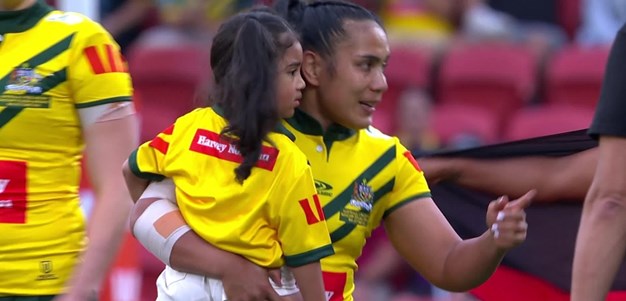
(274, 218)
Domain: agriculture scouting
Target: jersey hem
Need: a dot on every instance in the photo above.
(134, 168)
(405, 201)
(40, 296)
(103, 101)
(310, 256)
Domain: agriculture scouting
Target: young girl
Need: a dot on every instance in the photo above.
(241, 183)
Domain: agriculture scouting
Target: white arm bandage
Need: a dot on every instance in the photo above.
(161, 224)
(105, 112)
(288, 286)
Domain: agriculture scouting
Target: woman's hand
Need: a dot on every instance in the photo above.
(507, 220)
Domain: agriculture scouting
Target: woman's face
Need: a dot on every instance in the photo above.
(289, 81)
(349, 95)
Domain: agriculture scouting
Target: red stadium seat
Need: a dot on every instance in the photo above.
(168, 82)
(574, 75)
(453, 121)
(568, 15)
(499, 77)
(547, 120)
(408, 67)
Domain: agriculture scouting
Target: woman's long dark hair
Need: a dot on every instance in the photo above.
(244, 57)
(320, 23)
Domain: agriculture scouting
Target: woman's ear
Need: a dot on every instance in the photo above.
(311, 67)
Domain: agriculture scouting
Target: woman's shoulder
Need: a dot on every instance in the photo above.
(374, 136)
(286, 147)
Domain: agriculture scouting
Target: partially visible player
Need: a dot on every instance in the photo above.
(600, 244)
(241, 183)
(64, 90)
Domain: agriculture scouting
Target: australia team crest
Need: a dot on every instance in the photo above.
(24, 89)
(358, 210)
(24, 80)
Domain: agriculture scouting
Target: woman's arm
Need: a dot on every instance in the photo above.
(423, 236)
(310, 281)
(108, 143)
(554, 178)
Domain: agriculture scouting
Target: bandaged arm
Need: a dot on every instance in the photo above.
(160, 224)
(192, 254)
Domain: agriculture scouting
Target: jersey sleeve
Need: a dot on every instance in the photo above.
(302, 228)
(97, 72)
(410, 183)
(609, 116)
(148, 161)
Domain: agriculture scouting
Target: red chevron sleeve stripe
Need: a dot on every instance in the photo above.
(318, 206)
(308, 212)
(114, 59)
(94, 60)
(160, 145)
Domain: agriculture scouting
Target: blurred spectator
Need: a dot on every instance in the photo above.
(126, 19)
(465, 140)
(530, 22)
(413, 122)
(428, 23)
(180, 22)
(601, 19)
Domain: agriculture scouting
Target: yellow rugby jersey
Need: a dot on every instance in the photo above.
(361, 177)
(51, 64)
(273, 218)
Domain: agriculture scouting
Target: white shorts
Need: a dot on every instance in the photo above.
(173, 285)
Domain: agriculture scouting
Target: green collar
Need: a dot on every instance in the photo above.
(280, 128)
(218, 110)
(22, 20)
(306, 124)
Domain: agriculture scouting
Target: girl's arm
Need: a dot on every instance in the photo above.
(135, 185)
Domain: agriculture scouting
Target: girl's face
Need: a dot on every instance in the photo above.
(289, 81)
(349, 95)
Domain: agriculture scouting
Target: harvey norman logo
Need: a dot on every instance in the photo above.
(210, 143)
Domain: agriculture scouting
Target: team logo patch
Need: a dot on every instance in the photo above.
(212, 144)
(46, 270)
(323, 188)
(24, 80)
(358, 210)
(24, 90)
